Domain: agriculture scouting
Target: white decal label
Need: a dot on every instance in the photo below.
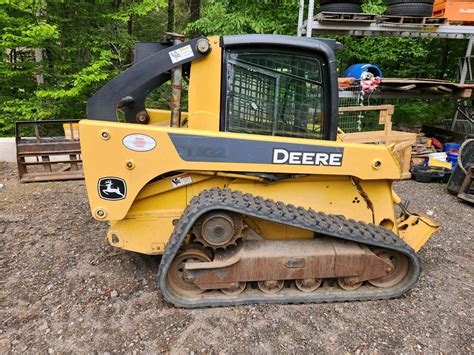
(139, 142)
(181, 181)
(466, 11)
(283, 156)
(181, 54)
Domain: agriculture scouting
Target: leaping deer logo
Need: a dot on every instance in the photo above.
(110, 189)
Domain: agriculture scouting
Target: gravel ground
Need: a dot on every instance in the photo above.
(64, 289)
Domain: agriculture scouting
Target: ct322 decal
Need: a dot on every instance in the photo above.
(283, 156)
(233, 150)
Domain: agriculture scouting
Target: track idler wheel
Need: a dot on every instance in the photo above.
(271, 286)
(400, 268)
(176, 275)
(235, 289)
(308, 285)
(219, 229)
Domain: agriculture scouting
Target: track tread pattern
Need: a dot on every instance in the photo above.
(336, 226)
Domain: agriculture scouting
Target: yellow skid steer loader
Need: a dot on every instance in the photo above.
(248, 196)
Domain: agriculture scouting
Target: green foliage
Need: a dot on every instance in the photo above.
(221, 17)
(142, 8)
(374, 6)
(82, 45)
(423, 111)
(397, 57)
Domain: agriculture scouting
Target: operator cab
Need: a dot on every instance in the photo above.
(268, 85)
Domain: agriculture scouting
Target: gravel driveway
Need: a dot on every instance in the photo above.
(64, 289)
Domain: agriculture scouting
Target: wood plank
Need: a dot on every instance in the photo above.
(48, 152)
(379, 136)
(463, 93)
(48, 147)
(49, 162)
(389, 108)
(445, 89)
(54, 176)
(404, 88)
(416, 81)
(402, 146)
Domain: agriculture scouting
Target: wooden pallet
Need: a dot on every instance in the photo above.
(429, 86)
(42, 157)
(403, 141)
(346, 17)
(361, 19)
(410, 20)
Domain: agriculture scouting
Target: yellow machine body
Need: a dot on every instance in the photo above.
(360, 188)
(161, 169)
(365, 178)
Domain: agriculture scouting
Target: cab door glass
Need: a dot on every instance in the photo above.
(279, 94)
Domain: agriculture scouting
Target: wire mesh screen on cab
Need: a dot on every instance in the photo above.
(275, 94)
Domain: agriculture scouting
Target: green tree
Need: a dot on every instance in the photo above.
(221, 17)
(84, 44)
(397, 57)
(75, 47)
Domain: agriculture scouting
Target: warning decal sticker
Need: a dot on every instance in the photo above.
(181, 54)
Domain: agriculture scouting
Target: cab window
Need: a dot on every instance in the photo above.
(279, 94)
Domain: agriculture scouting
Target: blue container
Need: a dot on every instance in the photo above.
(356, 70)
(451, 146)
(453, 159)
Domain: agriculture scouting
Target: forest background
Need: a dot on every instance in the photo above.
(56, 54)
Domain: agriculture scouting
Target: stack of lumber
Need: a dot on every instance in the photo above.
(428, 86)
(413, 88)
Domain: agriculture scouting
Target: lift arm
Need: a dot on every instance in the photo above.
(130, 89)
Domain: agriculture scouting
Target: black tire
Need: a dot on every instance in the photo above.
(327, 2)
(410, 9)
(396, 2)
(341, 7)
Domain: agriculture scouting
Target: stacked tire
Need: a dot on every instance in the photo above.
(420, 8)
(354, 6)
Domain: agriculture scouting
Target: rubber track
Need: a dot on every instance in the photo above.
(278, 212)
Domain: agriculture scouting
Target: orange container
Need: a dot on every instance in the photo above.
(456, 11)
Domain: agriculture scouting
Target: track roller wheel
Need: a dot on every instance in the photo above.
(218, 229)
(176, 276)
(236, 289)
(346, 284)
(271, 286)
(308, 285)
(400, 267)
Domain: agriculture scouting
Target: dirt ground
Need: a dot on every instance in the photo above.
(64, 289)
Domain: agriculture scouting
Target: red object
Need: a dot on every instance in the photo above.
(436, 143)
(369, 85)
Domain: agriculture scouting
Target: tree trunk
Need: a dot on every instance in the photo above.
(39, 51)
(116, 4)
(39, 61)
(195, 10)
(443, 65)
(170, 27)
(130, 25)
(131, 53)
